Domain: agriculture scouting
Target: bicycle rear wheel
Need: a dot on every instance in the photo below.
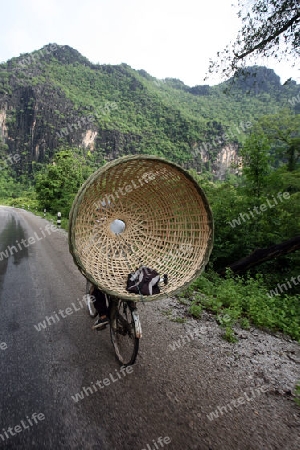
(123, 332)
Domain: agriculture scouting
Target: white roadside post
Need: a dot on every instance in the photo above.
(59, 219)
(45, 212)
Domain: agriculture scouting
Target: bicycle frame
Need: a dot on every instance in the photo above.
(113, 305)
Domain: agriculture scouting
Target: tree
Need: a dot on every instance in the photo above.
(256, 163)
(58, 184)
(283, 131)
(270, 28)
(261, 255)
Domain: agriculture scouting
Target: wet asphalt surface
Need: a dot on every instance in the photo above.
(40, 371)
(162, 403)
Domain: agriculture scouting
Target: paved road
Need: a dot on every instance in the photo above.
(166, 396)
(40, 371)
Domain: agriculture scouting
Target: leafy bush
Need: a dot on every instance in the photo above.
(58, 183)
(245, 299)
(195, 310)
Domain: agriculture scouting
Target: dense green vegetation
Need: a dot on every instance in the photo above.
(256, 210)
(57, 184)
(247, 301)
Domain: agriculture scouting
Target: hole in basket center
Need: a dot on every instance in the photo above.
(117, 226)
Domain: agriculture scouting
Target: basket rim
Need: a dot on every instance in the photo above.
(78, 200)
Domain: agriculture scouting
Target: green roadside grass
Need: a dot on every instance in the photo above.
(245, 301)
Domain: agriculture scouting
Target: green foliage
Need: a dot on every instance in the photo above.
(178, 319)
(251, 212)
(196, 310)
(165, 118)
(244, 323)
(168, 118)
(269, 28)
(236, 299)
(25, 202)
(229, 335)
(283, 131)
(10, 185)
(57, 185)
(256, 163)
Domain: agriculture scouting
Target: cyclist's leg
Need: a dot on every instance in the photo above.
(101, 308)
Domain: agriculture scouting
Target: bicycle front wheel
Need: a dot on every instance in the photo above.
(89, 302)
(123, 332)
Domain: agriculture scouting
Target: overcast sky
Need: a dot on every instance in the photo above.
(167, 38)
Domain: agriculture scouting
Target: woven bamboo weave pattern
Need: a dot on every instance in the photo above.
(168, 225)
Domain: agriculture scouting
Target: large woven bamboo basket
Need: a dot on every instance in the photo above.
(168, 225)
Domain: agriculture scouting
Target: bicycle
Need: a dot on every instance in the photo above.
(125, 326)
(168, 224)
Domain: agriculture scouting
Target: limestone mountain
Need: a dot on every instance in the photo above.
(55, 97)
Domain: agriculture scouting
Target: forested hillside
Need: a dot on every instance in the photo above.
(56, 97)
(61, 117)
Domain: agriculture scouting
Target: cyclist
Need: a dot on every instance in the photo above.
(116, 227)
(101, 308)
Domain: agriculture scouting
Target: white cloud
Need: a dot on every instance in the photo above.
(167, 38)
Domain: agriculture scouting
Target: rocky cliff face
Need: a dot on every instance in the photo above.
(38, 118)
(220, 160)
(31, 126)
(3, 127)
(30, 119)
(227, 160)
(45, 103)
